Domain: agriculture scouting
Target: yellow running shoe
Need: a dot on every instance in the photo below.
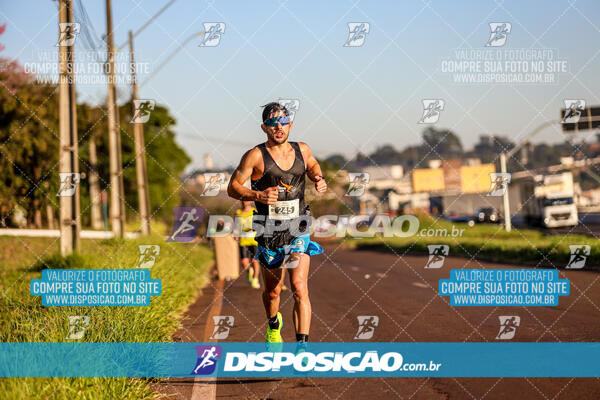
(255, 283)
(274, 335)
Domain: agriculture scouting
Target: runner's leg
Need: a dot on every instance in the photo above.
(299, 284)
(256, 265)
(273, 279)
(245, 263)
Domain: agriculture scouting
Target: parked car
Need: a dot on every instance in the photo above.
(487, 214)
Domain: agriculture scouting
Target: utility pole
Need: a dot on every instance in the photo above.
(70, 223)
(117, 200)
(96, 207)
(505, 201)
(140, 150)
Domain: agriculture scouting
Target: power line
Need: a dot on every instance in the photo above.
(147, 23)
(89, 37)
(170, 56)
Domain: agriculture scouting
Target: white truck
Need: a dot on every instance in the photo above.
(548, 200)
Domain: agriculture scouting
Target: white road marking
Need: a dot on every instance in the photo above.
(208, 388)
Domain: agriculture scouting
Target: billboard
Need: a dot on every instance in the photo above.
(476, 178)
(452, 175)
(428, 180)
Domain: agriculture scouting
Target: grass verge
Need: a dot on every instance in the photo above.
(486, 242)
(181, 267)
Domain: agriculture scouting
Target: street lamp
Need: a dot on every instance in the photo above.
(506, 155)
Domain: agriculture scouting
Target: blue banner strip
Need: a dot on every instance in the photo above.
(318, 360)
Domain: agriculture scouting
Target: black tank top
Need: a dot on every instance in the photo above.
(291, 185)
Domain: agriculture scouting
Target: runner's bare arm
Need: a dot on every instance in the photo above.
(313, 169)
(236, 188)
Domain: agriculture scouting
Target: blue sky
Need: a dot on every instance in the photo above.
(351, 98)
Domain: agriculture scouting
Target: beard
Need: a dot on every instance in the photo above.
(279, 137)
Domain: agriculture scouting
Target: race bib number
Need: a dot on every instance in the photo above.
(284, 209)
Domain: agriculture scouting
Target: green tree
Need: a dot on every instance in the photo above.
(165, 160)
(413, 157)
(386, 155)
(443, 143)
(28, 143)
(336, 160)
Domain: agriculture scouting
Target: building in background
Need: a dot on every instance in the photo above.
(208, 162)
(452, 187)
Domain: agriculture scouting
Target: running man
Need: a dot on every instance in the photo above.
(207, 359)
(277, 169)
(248, 245)
(187, 217)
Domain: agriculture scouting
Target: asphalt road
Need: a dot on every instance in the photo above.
(344, 284)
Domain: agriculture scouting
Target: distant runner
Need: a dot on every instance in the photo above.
(248, 245)
(277, 169)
